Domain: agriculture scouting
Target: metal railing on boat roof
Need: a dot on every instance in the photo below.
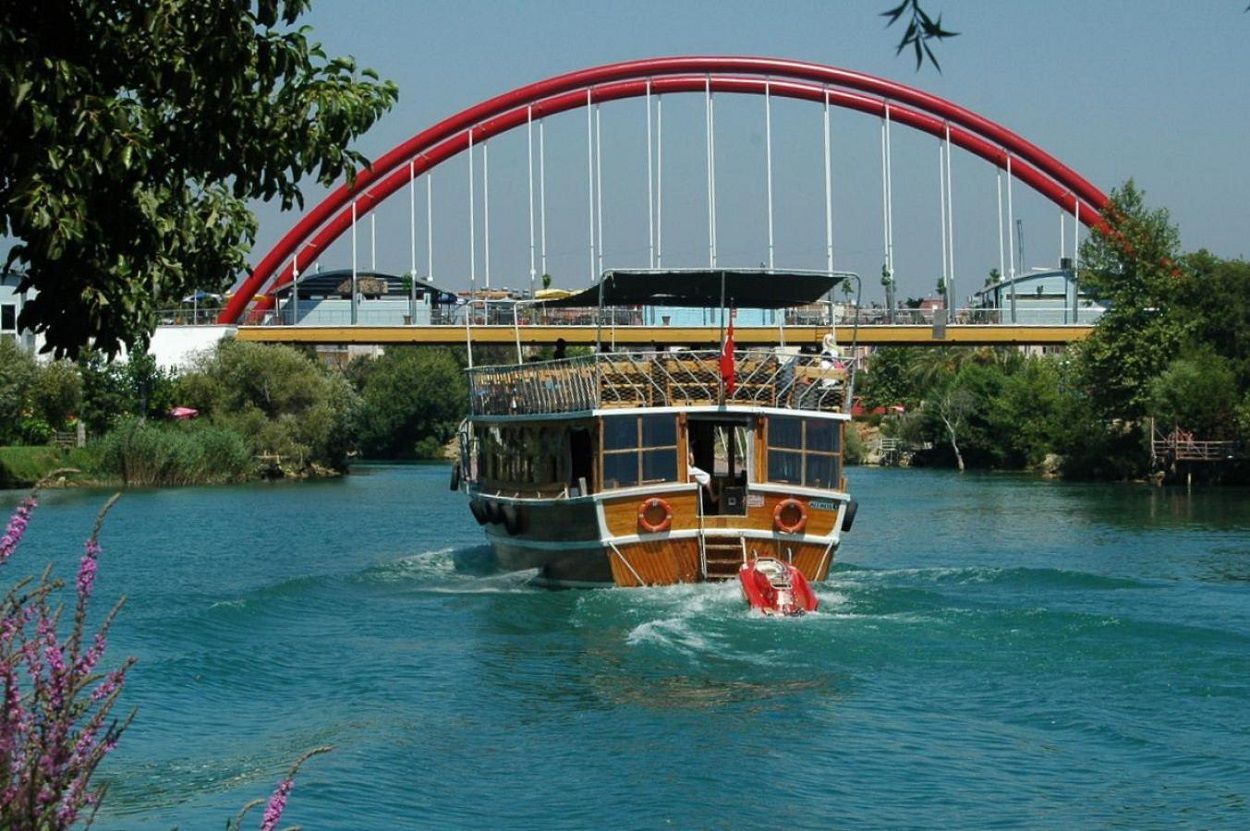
(762, 378)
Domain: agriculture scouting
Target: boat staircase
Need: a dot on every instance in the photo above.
(723, 555)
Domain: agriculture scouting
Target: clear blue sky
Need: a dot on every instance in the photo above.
(1155, 91)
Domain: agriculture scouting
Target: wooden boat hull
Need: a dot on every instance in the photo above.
(601, 540)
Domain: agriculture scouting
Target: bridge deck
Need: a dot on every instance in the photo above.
(873, 335)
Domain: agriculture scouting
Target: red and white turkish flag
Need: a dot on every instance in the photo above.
(727, 358)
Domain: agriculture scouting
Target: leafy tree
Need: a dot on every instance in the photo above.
(57, 394)
(111, 391)
(1132, 266)
(18, 372)
(1219, 299)
(1197, 392)
(952, 407)
(1023, 417)
(284, 402)
(921, 28)
(412, 401)
(135, 133)
(887, 380)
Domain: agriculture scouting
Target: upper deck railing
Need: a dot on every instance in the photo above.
(762, 378)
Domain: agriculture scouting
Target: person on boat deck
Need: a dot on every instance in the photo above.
(701, 476)
(559, 353)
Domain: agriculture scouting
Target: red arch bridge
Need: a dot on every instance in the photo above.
(259, 305)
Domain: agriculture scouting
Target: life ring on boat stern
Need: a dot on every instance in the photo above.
(790, 516)
(652, 508)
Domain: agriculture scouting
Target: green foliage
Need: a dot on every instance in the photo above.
(114, 390)
(1023, 419)
(134, 136)
(1218, 298)
(282, 401)
(23, 466)
(1198, 393)
(57, 393)
(855, 450)
(411, 403)
(18, 372)
(921, 28)
(145, 453)
(887, 380)
(1132, 266)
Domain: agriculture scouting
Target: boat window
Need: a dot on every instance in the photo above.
(804, 451)
(639, 450)
(521, 455)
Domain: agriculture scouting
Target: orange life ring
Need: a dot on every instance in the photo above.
(790, 526)
(648, 509)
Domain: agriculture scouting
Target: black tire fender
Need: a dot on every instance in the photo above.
(848, 518)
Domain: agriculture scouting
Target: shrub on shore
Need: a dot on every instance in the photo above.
(152, 454)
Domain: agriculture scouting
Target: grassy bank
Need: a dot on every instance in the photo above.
(21, 467)
(138, 454)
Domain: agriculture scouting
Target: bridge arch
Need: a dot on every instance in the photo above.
(799, 80)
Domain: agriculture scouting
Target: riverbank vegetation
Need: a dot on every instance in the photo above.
(1171, 353)
(260, 410)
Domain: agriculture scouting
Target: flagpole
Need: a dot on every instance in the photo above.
(722, 338)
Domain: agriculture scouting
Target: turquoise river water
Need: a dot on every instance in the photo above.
(991, 652)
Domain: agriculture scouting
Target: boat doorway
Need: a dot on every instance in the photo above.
(720, 449)
(582, 455)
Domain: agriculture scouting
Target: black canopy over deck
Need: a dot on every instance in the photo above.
(704, 288)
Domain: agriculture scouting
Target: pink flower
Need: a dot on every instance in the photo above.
(277, 804)
(17, 527)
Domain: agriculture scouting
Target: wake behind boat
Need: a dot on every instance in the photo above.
(657, 466)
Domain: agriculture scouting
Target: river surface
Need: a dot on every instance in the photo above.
(991, 651)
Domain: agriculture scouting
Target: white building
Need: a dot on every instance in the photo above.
(11, 303)
(1049, 297)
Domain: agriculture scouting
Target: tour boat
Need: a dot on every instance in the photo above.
(669, 464)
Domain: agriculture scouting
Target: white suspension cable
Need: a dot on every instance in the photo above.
(429, 224)
(942, 212)
(889, 194)
(712, 145)
(486, 207)
(1002, 259)
(354, 275)
(1076, 259)
(1063, 229)
(412, 239)
(472, 233)
(590, 179)
(659, 181)
(295, 288)
(950, 216)
(373, 241)
(711, 245)
(412, 223)
(1011, 244)
(828, 192)
(650, 188)
(542, 195)
(1011, 228)
(768, 164)
(599, 190)
(529, 159)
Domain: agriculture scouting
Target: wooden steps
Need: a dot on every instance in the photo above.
(724, 556)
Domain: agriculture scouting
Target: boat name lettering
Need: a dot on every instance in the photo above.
(823, 505)
(755, 500)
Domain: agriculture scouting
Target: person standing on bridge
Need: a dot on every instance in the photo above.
(559, 353)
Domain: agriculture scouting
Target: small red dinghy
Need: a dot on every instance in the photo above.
(776, 588)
